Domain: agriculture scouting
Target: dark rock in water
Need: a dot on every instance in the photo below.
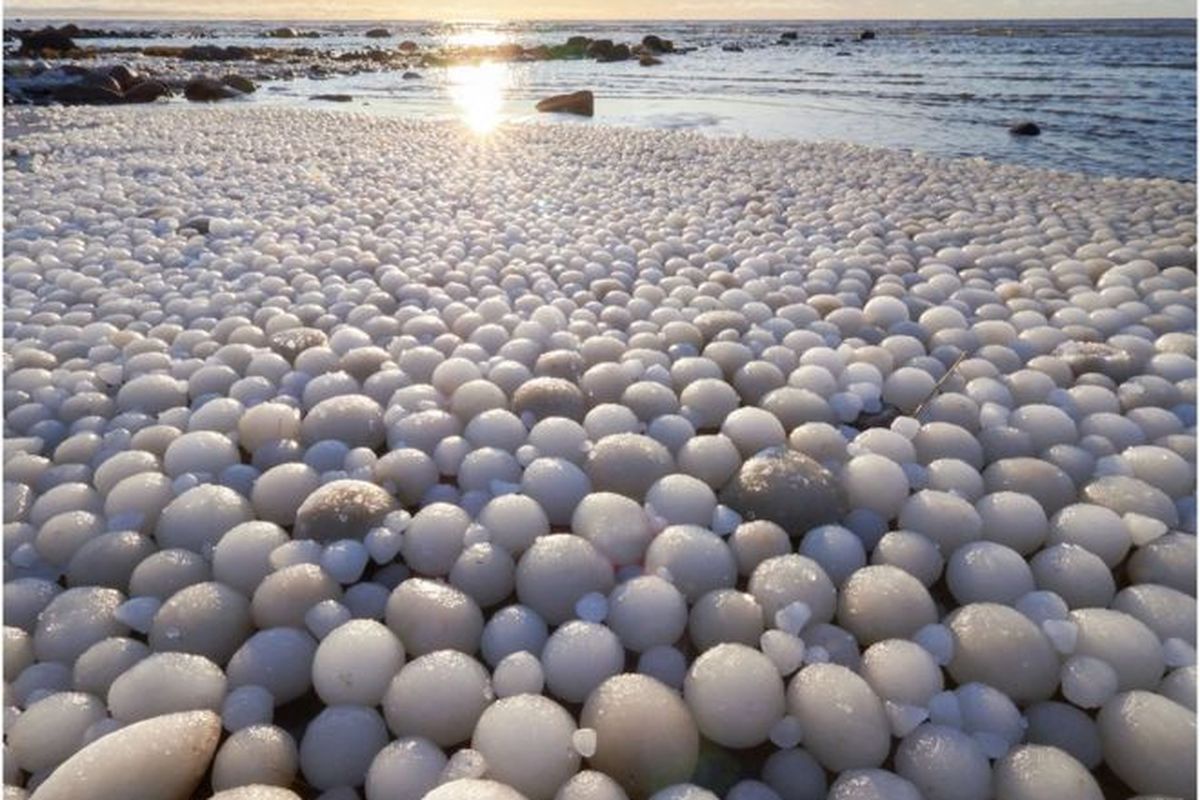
(605, 50)
(619, 53)
(87, 94)
(378, 33)
(789, 36)
(786, 487)
(647, 60)
(146, 91)
(46, 40)
(344, 509)
(208, 52)
(731, 48)
(282, 33)
(866, 35)
(333, 98)
(578, 41)
(582, 103)
(407, 46)
(657, 44)
(207, 90)
(242, 84)
(124, 76)
(1025, 128)
(411, 76)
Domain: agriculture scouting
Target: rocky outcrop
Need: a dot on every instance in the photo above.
(208, 52)
(582, 103)
(207, 90)
(1025, 128)
(378, 33)
(47, 41)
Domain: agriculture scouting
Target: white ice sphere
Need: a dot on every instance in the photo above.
(844, 722)
(355, 663)
(680, 500)
(166, 683)
(162, 758)
(782, 580)
(513, 522)
(556, 571)
(1150, 743)
(199, 451)
(407, 769)
(278, 659)
(725, 520)
(345, 560)
(1123, 642)
(518, 673)
(138, 613)
(285, 596)
(383, 544)
(75, 620)
(786, 732)
(528, 743)
(434, 539)
(876, 483)
(246, 706)
(944, 764)
(1041, 605)
(1093, 527)
(981, 572)
(793, 617)
(794, 774)
(947, 519)
(51, 730)
(901, 671)
(428, 616)
(646, 738)
(838, 550)
(197, 519)
(578, 657)
(985, 710)
(325, 617)
(683, 791)
(209, 619)
(465, 764)
(256, 755)
(592, 607)
(339, 745)
(1088, 682)
(785, 650)
(734, 676)
(665, 664)
(511, 630)
(711, 458)
(1063, 634)
(911, 552)
(1038, 772)
(591, 785)
(1076, 575)
(884, 602)
(438, 696)
(646, 612)
(999, 646)
(584, 742)
(474, 789)
(753, 429)
(872, 784)
(241, 559)
(557, 486)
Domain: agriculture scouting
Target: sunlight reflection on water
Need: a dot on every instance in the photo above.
(478, 91)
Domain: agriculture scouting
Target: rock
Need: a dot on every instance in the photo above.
(207, 90)
(198, 224)
(74, 94)
(582, 103)
(282, 33)
(411, 76)
(1025, 128)
(333, 98)
(786, 487)
(208, 52)
(619, 53)
(378, 33)
(866, 35)
(789, 36)
(731, 48)
(656, 44)
(578, 41)
(407, 46)
(647, 60)
(242, 84)
(48, 39)
(162, 758)
(124, 76)
(146, 92)
(604, 50)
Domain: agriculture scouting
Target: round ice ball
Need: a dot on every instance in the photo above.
(999, 646)
(901, 671)
(339, 745)
(876, 483)
(199, 451)
(556, 571)
(73, 621)
(754, 542)
(50, 730)
(725, 615)
(694, 559)
(354, 419)
(527, 743)
(1150, 743)
(513, 521)
(428, 616)
(165, 683)
(438, 696)
(578, 657)
(1038, 772)
(591, 785)
(241, 559)
(512, 629)
(518, 673)
(355, 663)
(778, 582)
(256, 755)
(617, 526)
(645, 612)
(433, 540)
(197, 519)
(557, 485)
(646, 738)
(838, 550)
(843, 720)
(944, 763)
(407, 769)
(209, 619)
(884, 602)
(1122, 642)
(474, 789)
(278, 659)
(734, 676)
(981, 572)
(628, 464)
(681, 500)
(285, 596)
(872, 784)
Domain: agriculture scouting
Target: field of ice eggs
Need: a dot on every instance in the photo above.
(349, 457)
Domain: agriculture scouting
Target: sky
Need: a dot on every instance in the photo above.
(594, 9)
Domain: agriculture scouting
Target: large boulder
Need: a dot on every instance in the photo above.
(1025, 128)
(45, 41)
(207, 90)
(242, 84)
(786, 487)
(124, 76)
(657, 44)
(378, 33)
(582, 103)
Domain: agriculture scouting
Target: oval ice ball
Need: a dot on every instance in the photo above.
(734, 676)
(527, 743)
(355, 663)
(438, 696)
(842, 718)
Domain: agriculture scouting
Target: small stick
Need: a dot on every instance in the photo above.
(937, 386)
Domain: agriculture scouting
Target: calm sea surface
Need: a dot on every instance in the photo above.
(1114, 97)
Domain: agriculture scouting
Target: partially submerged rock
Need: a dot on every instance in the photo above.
(582, 103)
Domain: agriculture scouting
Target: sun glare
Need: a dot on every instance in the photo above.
(478, 93)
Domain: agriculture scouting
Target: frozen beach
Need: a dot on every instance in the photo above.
(356, 456)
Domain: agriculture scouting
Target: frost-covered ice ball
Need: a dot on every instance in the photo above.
(1122, 642)
(429, 616)
(438, 696)
(901, 671)
(843, 720)
(786, 487)
(778, 582)
(884, 602)
(407, 769)
(256, 755)
(513, 521)
(578, 657)
(279, 491)
(1087, 681)
(433, 539)
(527, 743)
(647, 611)
(199, 451)
(557, 486)
(987, 572)
(876, 483)
(617, 526)
(646, 738)
(197, 519)
(342, 509)
(511, 630)
(549, 397)
(246, 706)
(1150, 743)
(278, 659)
(725, 615)
(556, 571)
(1076, 575)
(355, 663)
(628, 464)
(999, 646)
(52, 729)
(681, 500)
(339, 745)
(838, 550)
(711, 458)
(694, 559)
(285, 596)
(165, 683)
(208, 619)
(591, 785)
(354, 419)
(729, 677)
(241, 559)
(486, 572)
(1038, 772)
(518, 673)
(872, 784)
(73, 621)
(944, 764)
(754, 542)
(474, 789)
(1166, 611)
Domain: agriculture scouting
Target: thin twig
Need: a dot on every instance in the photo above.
(937, 386)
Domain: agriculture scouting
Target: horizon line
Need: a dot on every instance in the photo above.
(41, 16)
